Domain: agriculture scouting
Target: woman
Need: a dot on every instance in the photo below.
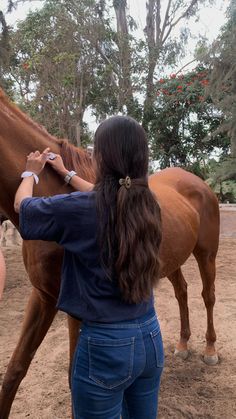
(111, 233)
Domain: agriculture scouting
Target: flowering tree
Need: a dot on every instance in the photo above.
(119, 68)
(184, 120)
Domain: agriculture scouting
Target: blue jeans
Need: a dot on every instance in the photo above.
(117, 370)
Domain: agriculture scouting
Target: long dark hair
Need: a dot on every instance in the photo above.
(129, 215)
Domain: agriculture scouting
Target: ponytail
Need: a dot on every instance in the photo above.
(132, 233)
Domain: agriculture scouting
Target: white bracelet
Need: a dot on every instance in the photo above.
(69, 175)
(28, 174)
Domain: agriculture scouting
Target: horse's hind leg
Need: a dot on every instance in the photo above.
(38, 318)
(207, 266)
(180, 288)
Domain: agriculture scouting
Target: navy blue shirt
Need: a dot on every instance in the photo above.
(86, 292)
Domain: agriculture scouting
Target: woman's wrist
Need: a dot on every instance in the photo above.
(63, 172)
(28, 169)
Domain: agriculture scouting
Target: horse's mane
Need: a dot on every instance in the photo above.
(77, 159)
(74, 158)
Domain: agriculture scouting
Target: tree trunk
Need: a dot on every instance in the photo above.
(80, 112)
(78, 134)
(125, 83)
(153, 35)
(233, 138)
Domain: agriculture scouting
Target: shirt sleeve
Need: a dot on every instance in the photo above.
(38, 221)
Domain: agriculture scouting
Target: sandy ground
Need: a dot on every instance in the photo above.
(190, 389)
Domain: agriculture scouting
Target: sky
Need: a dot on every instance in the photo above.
(211, 18)
(208, 25)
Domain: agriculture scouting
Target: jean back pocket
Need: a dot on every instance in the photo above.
(110, 361)
(158, 346)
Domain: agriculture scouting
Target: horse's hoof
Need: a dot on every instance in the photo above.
(182, 354)
(211, 359)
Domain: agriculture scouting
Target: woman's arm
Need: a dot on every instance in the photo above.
(80, 184)
(35, 164)
(76, 182)
(25, 190)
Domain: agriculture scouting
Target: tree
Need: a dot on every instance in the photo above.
(57, 68)
(162, 46)
(4, 54)
(131, 64)
(222, 61)
(184, 120)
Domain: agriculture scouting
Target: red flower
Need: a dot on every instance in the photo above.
(165, 92)
(25, 66)
(179, 87)
(161, 81)
(204, 82)
(173, 76)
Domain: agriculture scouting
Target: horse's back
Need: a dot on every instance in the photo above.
(189, 186)
(190, 215)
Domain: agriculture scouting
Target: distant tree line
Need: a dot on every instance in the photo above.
(70, 57)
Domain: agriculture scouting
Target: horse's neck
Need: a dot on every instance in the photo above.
(18, 137)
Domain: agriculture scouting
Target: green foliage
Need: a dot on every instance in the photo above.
(222, 59)
(57, 67)
(224, 189)
(184, 121)
(217, 178)
(67, 58)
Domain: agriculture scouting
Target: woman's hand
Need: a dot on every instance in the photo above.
(36, 161)
(58, 165)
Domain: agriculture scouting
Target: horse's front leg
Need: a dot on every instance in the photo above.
(180, 288)
(74, 330)
(38, 318)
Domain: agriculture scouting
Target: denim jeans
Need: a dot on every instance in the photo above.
(117, 370)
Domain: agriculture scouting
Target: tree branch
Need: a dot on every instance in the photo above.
(107, 61)
(184, 14)
(149, 30)
(166, 19)
(186, 65)
(158, 22)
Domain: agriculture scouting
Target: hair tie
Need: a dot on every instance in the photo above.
(125, 182)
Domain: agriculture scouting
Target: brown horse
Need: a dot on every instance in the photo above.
(190, 225)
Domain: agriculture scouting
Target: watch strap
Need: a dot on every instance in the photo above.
(69, 175)
(28, 174)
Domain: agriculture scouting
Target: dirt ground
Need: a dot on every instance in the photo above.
(190, 389)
